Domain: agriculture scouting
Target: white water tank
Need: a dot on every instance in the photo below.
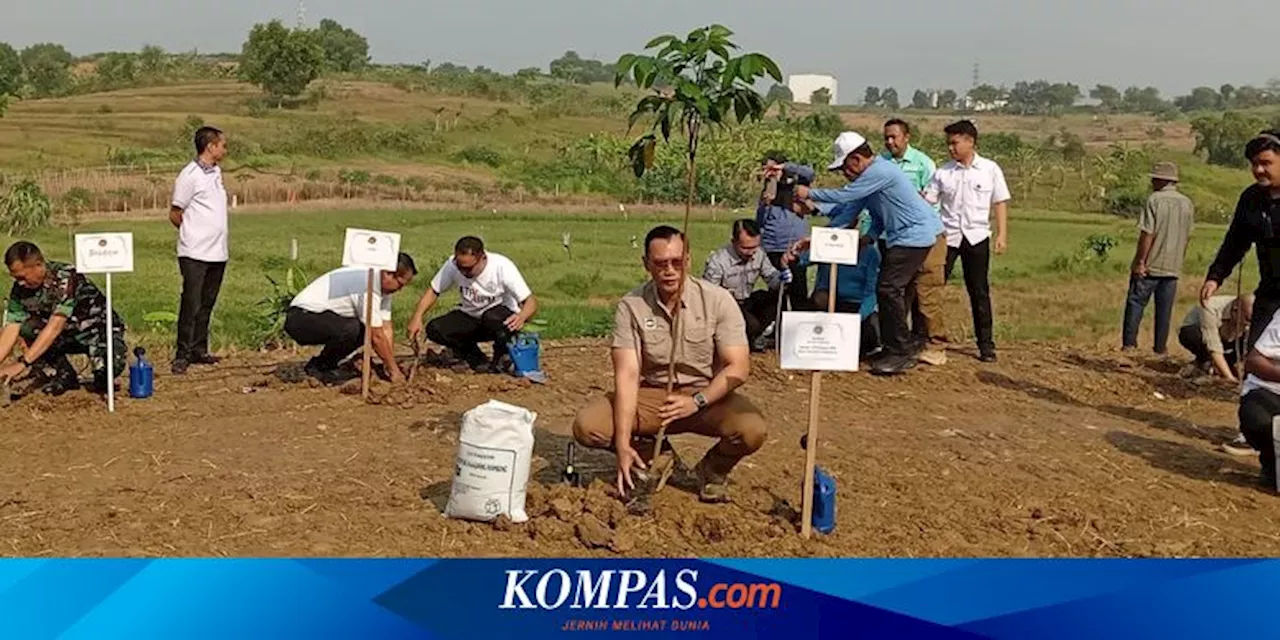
(802, 87)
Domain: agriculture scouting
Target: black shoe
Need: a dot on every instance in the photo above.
(325, 376)
(987, 356)
(206, 358)
(1267, 480)
(180, 367)
(893, 365)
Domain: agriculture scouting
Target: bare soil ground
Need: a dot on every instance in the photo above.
(1054, 451)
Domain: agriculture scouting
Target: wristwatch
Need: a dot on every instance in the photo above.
(700, 400)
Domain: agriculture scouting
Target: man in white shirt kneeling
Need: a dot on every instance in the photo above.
(330, 312)
(495, 304)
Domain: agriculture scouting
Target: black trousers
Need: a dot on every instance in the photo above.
(899, 270)
(798, 290)
(1257, 409)
(758, 311)
(201, 282)
(463, 334)
(1193, 340)
(341, 336)
(976, 262)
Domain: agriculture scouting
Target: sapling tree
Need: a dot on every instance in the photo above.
(691, 82)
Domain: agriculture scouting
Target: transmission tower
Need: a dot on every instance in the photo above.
(302, 14)
(977, 77)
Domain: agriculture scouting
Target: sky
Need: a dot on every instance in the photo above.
(907, 45)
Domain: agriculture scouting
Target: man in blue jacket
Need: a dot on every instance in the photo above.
(906, 227)
(780, 227)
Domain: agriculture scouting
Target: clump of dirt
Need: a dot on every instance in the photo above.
(550, 530)
(593, 533)
(502, 523)
(601, 500)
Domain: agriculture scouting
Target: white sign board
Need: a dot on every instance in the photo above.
(817, 341)
(374, 249)
(833, 246)
(104, 252)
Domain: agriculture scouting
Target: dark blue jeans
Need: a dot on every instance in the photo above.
(1140, 290)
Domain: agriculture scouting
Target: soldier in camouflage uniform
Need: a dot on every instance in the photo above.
(56, 312)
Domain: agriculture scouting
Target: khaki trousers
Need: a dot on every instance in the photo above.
(927, 322)
(734, 420)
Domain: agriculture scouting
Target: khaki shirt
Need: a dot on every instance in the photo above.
(710, 318)
(1218, 322)
(1169, 216)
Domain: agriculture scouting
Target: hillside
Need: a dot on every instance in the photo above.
(468, 142)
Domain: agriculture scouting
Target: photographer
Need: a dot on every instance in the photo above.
(780, 226)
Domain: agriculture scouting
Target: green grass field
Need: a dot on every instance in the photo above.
(1039, 293)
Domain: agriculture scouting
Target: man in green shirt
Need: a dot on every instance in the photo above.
(1164, 227)
(927, 325)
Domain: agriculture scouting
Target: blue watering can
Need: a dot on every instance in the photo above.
(824, 497)
(141, 375)
(525, 350)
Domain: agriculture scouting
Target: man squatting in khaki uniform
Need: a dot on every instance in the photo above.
(713, 359)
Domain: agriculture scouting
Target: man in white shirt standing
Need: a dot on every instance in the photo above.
(199, 211)
(495, 304)
(330, 312)
(969, 189)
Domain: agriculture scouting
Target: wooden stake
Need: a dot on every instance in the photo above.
(811, 448)
(368, 334)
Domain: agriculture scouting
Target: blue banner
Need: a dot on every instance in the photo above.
(739, 599)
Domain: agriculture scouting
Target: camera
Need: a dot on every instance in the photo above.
(779, 189)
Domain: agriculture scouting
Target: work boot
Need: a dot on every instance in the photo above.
(713, 487)
(206, 358)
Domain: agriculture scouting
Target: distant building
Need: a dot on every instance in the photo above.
(803, 86)
(969, 104)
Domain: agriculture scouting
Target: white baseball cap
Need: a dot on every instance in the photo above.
(844, 145)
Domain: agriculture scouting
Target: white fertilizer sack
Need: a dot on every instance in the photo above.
(492, 467)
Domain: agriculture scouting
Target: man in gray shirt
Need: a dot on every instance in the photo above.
(1164, 227)
(736, 267)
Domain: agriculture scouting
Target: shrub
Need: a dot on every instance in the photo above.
(479, 155)
(25, 208)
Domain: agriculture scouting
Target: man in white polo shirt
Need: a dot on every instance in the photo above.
(330, 312)
(199, 211)
(969, 189)
(495, 304)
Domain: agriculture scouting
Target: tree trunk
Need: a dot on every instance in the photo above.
(690, 173)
